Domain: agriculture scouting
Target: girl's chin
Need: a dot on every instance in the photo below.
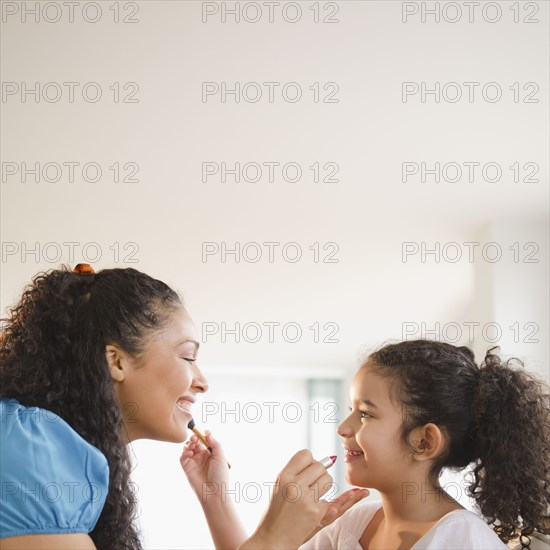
(356, 478)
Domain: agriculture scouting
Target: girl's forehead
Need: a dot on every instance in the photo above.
(367, 385)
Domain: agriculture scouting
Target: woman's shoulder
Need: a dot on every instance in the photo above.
(52, 480)
(458, 529)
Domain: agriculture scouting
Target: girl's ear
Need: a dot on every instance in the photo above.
(429, 441)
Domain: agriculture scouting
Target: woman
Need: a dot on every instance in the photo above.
(90, 362)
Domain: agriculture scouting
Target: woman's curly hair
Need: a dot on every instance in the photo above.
(497, 418)
(52, 355)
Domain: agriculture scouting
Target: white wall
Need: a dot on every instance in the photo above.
(167, 215)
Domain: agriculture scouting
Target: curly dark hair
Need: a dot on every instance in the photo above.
(52, 355)
(497, 418)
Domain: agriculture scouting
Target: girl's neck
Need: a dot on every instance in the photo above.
(416, 503)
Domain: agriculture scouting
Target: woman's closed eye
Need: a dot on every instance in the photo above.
(188, 359)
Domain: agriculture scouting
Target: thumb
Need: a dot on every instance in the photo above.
(330, 516)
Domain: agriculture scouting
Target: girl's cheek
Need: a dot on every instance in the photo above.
(362, 438)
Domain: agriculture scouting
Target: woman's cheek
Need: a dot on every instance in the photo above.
(189, 376)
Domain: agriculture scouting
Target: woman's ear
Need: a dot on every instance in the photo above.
(117, 362)
(429, 441)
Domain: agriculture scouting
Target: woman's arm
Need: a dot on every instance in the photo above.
(287, 523)
(70, 541)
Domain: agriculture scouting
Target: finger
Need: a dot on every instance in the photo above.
(351, 494)
(323, 485)
(345, 502)
(195, 440)
(330, 516)
(215, 445)
(189, 446)
(361, 493)
(187, 454)
(313, 473)
(298, 463)
(352, 500)
(345, 507)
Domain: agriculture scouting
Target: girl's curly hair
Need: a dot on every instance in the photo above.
(52, 355)
(497, 418)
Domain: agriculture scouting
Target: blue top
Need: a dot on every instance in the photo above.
(52, 480)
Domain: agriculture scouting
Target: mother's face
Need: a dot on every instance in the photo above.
(156, 392)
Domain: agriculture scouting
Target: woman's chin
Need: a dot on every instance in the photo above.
(180, 431)
(180, 435)
(177, 432)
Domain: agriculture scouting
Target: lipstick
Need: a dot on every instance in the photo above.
(328, 461)
(201, 437)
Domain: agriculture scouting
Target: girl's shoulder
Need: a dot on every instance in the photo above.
(460, 529)
(52, 480)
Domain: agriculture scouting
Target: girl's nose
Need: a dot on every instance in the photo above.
(344, 430)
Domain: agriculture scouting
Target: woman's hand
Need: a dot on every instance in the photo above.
(205, 471)
(296, 508)
(340, 506)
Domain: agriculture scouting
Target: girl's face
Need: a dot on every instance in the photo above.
(375, 457)
(156, 393)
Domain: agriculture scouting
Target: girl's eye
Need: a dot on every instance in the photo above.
(188, 359)
(363, 414)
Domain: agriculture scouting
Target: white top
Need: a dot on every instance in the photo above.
(457, 530)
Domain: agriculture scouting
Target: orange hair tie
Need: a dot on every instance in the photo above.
(84, 269)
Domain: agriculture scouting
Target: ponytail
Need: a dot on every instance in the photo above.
(512, 430)
(40, 330)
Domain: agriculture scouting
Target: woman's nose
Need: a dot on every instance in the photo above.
(200, 384)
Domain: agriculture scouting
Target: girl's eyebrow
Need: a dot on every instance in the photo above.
(370, 403)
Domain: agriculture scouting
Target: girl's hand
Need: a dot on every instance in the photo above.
(205, 471)
(340, 506)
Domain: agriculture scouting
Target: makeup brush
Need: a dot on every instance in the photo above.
(201, 437)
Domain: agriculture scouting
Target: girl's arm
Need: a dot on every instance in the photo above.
(208, 475)
(224, 523)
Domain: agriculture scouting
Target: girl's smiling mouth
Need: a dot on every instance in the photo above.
(353, 454)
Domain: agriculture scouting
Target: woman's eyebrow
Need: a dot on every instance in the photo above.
(197, 345)
(369, 402)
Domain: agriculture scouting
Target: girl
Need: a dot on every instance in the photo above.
(89, 363)
(421, 406)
